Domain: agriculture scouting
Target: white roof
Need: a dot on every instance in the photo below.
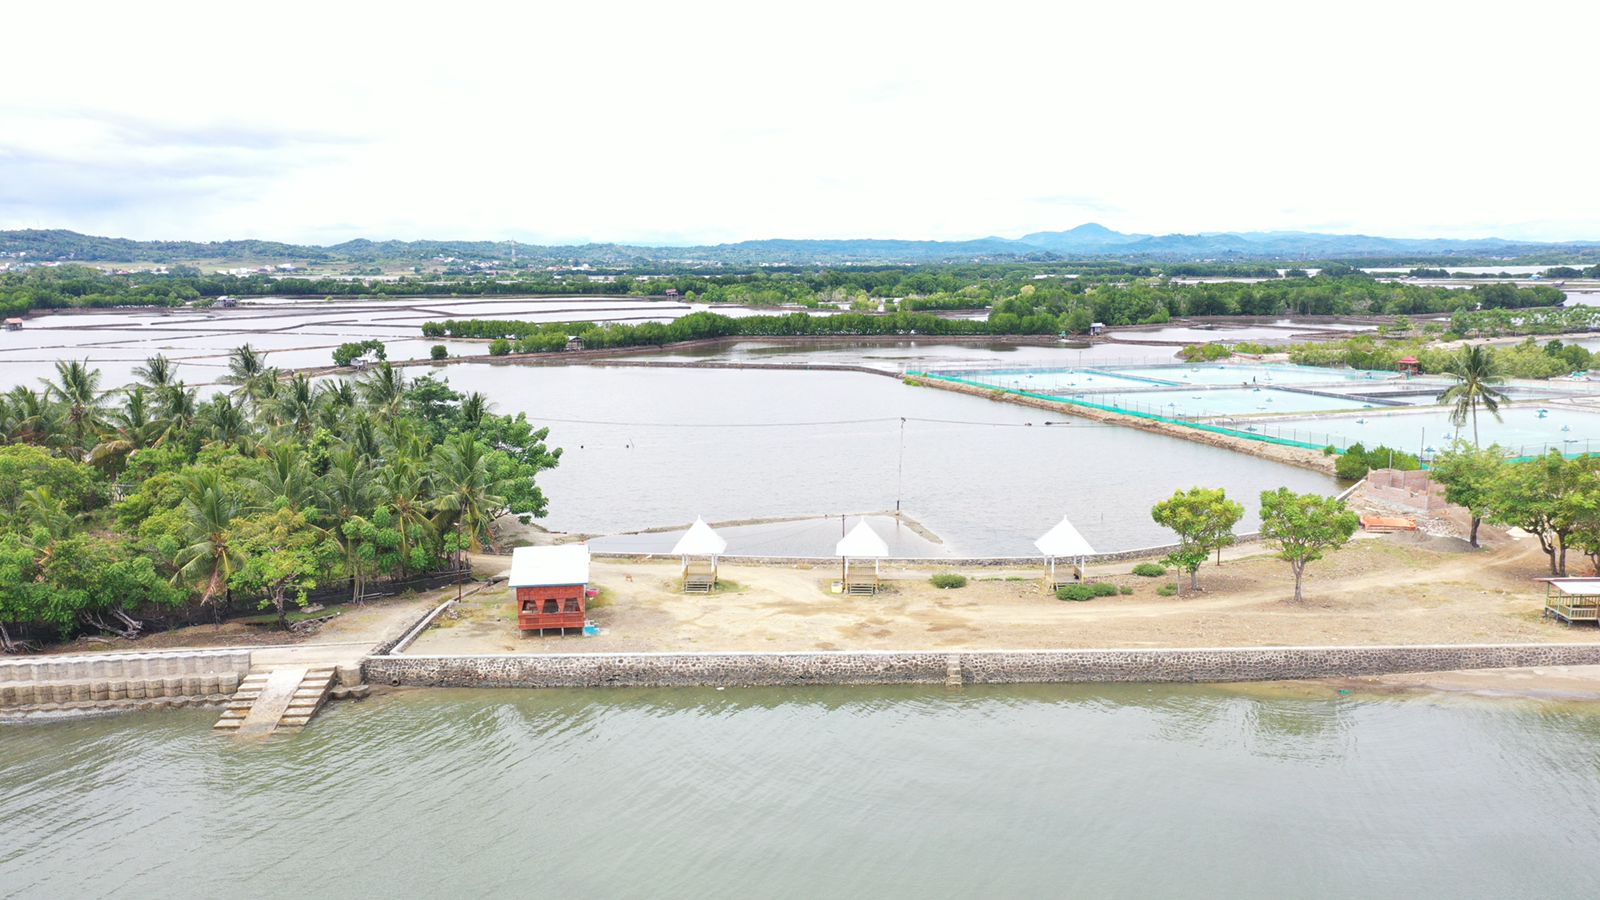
(1063, 540)
(862, 542)
(547, 566)
(1576, 586)
(700, 540)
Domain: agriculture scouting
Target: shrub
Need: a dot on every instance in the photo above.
(1167, 590)
(499, 347)
(438, 351)
(948, 580)
(1126, 590)
(1086, 591)
(1149, 570)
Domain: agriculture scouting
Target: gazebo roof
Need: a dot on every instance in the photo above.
(700, 540)
(1409, 360)
(1063, 540)
(862, 542)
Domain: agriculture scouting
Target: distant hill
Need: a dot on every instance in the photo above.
(1089, 241)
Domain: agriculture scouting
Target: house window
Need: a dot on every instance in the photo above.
(572, 605)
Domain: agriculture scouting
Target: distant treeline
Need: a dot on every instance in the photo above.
(1107, 295)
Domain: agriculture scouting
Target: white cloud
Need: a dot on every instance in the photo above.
(708, 121)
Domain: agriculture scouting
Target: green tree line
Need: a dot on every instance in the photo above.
(148, 499)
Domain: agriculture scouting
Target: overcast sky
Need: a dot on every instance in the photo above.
(706, 121)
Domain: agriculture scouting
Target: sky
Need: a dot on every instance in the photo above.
(705, 122)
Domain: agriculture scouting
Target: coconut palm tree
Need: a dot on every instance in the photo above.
(223, 421)
(403, 488)
(474, 407)
(250, 375)
(133, 428)
(158, 372)
(384, 389)
(207, 559)
(178, 406)
(349, 492)
(283, 476)
(77, 388)
(467, 496)
(1476, 372)
(295, 404)
(30, 418)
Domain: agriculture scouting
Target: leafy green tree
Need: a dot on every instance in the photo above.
(284, 556)
(1305, 527)
(1203, 519)
(1470, 476)
(1477, 372)
(1547, 497)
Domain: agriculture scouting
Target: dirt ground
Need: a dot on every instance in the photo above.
(1395, 589)
(361, 626)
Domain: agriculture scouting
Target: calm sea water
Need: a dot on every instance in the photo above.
(886, 792)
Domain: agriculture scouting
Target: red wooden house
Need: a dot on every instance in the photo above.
(551, 586)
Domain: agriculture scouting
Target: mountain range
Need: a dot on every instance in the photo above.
(1086, 242)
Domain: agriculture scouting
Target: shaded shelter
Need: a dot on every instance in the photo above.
(1064, 543)
(700, 546)
(861, 543)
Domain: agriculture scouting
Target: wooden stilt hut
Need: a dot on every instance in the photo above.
(700, 547)
(1063, 544)
(862, 543)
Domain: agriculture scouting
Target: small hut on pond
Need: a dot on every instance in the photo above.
(551, 585)
(1409, 365)
(1063, 544)
(862, 543)
(700, 547)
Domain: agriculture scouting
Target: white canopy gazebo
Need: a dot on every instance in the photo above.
(861, 543)
(700, 546)
(1063, 542)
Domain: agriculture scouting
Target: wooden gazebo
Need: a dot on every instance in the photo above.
(1572, 599)
(1063, 543)
(1409, 365)
(700, 547)
(862, 543)
(551, 585)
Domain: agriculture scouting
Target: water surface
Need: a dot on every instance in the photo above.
(1032, 791)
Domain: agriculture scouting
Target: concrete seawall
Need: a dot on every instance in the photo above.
(974, 667)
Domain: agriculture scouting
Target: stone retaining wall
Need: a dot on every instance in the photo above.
(975, 667)
(124, 665)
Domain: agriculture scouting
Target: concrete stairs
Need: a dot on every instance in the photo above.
(286, 697)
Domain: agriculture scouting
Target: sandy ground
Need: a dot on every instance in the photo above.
(1396, 589)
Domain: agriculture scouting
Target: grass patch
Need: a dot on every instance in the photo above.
(603, 599)
(1149, 570)
(948, 580)
(1167, 590)
(728, 586)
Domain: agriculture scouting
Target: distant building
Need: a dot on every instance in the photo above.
(1097, 328)
(574, 342)
(672, 292)
(227, 302)
(13, 324)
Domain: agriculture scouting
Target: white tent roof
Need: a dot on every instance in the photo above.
(1063, 541)
(700, 540)
(862, 543)
(547, 566)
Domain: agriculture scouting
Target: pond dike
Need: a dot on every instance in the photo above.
(742, 669)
